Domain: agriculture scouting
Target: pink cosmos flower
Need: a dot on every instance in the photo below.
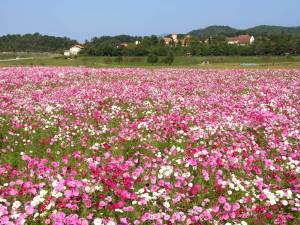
(222, 200)
(227, 207)
(215, 208)
(68, 193)
(195, 189)
(205, 175)
(29, 210)
(55, 164)
(262, 196)
(235, 206)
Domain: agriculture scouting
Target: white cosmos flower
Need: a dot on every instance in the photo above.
(98, 221)
(166, 204)
(111, 223)
(43, 193)
(16, 205)
(284, 202)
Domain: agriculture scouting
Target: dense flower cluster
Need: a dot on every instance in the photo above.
(136, 146)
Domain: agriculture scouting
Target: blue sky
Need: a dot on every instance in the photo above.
(83, 19)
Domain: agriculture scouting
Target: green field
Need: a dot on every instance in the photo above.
(180, 61)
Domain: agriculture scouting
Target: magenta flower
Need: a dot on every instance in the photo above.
(227, 207)
(195, 189)
(222, 200)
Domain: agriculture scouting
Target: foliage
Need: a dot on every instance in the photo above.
(213, 46)
(262, 30)
(119, 59)
(169, 59)
(152, 58)
(214, 31)
(34, 43)
(268, 43)
(265, 30)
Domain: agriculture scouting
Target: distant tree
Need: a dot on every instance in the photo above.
(179, 50)
(296, 47)
(201, 50)
(159, 50)
(169, 59)
(141, 51)
(150, 41)
(262, 48)
(193, 49)
(152, 58)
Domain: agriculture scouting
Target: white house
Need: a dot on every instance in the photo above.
(67, 53)
(175, 38)
(172, 39)
(252, 39)
(74, 50)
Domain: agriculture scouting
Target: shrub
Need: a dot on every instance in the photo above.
(169, 59)
(152, 58)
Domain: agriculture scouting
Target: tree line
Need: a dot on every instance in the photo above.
(34, 43)
(153, 45)
(213, 46)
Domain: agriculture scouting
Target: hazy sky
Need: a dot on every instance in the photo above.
(83, 19)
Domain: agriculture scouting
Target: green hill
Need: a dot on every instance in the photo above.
(263, 30)
(34, 43)
(214, 31)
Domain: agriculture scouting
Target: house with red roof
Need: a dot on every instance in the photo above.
(240, 40)
(123, 45)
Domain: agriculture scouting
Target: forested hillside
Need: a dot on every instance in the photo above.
(34, 43)
(263, 30)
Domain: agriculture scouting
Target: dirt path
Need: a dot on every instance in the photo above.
(16, 59)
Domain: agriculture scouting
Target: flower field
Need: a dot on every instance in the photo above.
(137, 146)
